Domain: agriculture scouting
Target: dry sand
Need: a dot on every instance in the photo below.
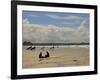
(59, 57)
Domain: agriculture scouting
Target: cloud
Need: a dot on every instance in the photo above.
(50, 33)
(33, 15)
(53, 16)
(73, 17)
(25, 21)
(63, 17)
(66, 23)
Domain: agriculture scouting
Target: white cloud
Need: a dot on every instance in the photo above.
(73, 17)
(51, 33)
(33, 15)
(66, 23)
(53, 16)
(64, 17)
(25, 21)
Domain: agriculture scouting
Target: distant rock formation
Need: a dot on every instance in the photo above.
(27, 43)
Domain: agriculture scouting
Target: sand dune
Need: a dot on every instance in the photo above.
(59, 57)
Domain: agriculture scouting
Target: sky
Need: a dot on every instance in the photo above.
(55, 27)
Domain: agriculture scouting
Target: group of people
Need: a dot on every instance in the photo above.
(41, 56)
(45, 56)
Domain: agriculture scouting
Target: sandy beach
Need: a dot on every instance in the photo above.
(59, 57)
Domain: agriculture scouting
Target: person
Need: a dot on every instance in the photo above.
(47, 55)
(40, 55)
(33, 48)
(29, 47)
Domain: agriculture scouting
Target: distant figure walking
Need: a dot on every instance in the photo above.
(42, 48)
(52, 48)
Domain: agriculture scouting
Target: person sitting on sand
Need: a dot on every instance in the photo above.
(33, 48)
(47, 55)
(29, 47)
(40, 55)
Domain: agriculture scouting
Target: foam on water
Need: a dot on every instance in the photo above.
(85, 46)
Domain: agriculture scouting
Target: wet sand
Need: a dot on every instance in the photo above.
(59, 57)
